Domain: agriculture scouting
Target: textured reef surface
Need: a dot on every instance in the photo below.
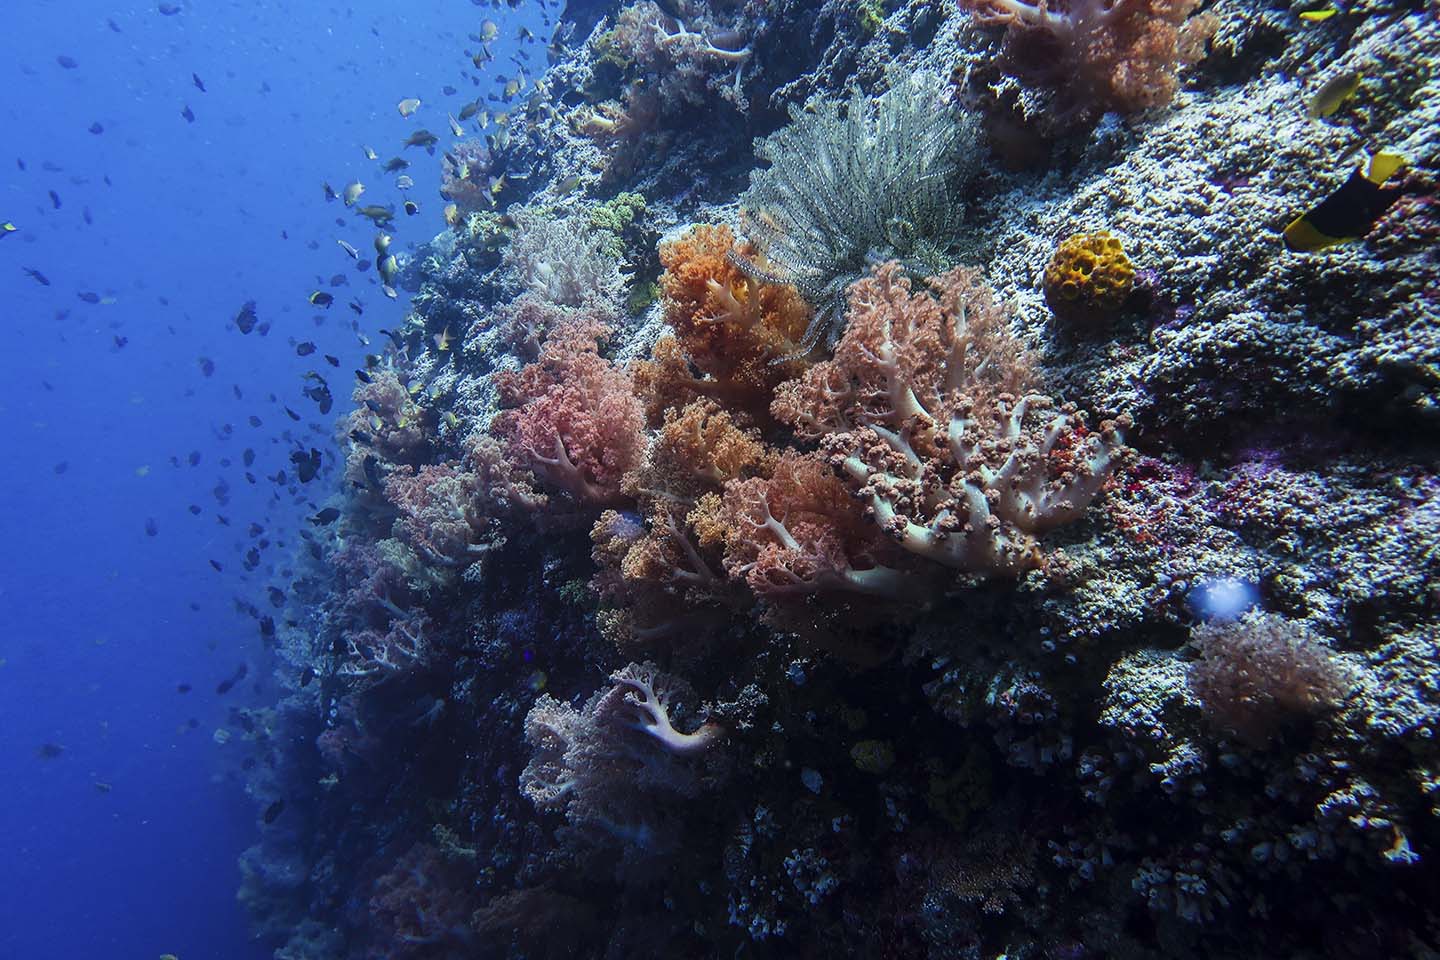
(873, 478)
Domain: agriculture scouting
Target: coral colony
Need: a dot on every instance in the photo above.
(868, 478)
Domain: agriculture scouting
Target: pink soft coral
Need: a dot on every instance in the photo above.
(916, 409)
(577, 423)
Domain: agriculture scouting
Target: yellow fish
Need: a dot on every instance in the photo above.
(408, 106)
(7, 227)
(1316, 16)
(452, 214)
(443, 339)
(1351, 209)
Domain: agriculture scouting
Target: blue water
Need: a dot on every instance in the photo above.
(103, 622)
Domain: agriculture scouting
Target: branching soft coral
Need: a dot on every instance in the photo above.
(1101, 54)
(576, 422)
(617, 766)
(386, 426)
(796, 532)
(450, 513)
(916, 409)
(655, 571)
(741, 335)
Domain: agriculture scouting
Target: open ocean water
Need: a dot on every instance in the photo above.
(124, 844)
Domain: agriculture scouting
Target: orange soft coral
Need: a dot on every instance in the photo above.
(740, 335)
(652, 566)
(796, 532)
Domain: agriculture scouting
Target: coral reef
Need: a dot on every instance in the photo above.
(742, 574)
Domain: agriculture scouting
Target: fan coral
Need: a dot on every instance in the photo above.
(1262, 671)
(577, 423)
(741, 335)
(923, 408)
(845, 189)
(1088, 276)
(1099, 54)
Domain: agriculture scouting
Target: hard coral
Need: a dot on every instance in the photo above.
(923, 410)
(576, 422)
(1261, 672)
(1088, 277)
(741, 335)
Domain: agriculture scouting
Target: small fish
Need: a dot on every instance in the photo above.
(443, 339)
(422, 138)
(1350, 211)
(358, 307)
(364, 377)
(207, 366)
(378, 215)
(388, 268)
(306, 676)
(183, 688)
(382, 243)
(96, 128)
(455, 127)
(328, 515)
(470, 109)
(188, 114)
(489, 30)
(1320, 15)
(395, 164)
(88, 297)
(304, 349)
(245, 319)
(228, 684)
(389, 291)
(370, 154)
(354, 254)
(1333, 94)
(54, 199)
(321, 299)
(168, 9)
(150, 528)
(7, 228)
(61, 467)
(199, 84)
(272, 812)
(49, 751)
(307, 465)
(352, 192)
(68, 62)
(102, 787)
(332, 360)
(408, 106)
(403, 182)
(411, 208)
(330, 193)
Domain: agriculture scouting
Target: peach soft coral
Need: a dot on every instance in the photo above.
(1101, 55)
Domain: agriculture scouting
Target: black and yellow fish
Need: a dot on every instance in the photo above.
(1350, 211)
